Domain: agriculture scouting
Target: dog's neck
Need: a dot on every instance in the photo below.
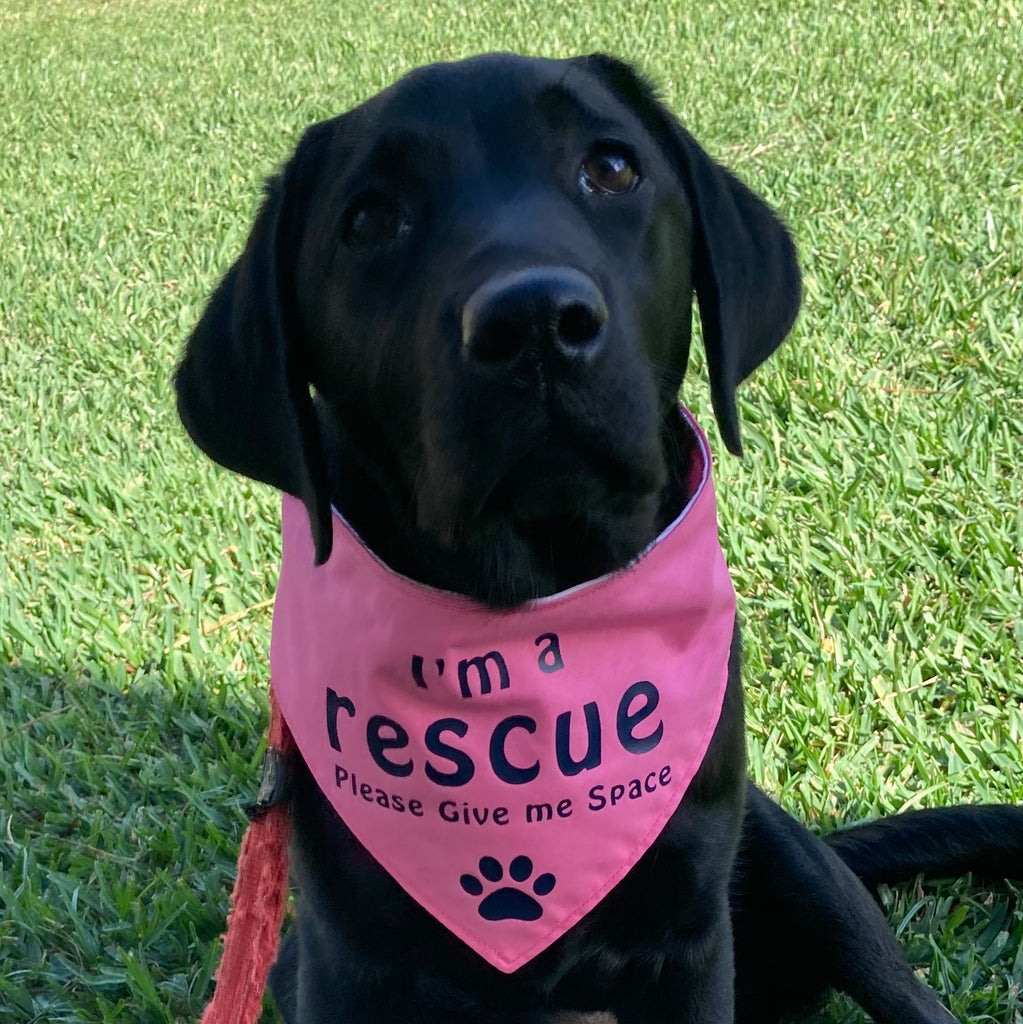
(504, 564)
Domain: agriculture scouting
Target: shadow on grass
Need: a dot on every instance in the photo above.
(119, 830)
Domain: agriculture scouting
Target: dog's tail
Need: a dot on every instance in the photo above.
(983, 839)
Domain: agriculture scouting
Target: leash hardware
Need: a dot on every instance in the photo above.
(274, 784)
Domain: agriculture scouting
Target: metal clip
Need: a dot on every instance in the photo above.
(274, 784)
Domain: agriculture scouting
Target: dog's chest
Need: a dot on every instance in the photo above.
(506, 768)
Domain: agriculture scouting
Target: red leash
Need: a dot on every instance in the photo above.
(260, 893)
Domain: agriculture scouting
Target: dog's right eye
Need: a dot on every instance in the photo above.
(373, 220)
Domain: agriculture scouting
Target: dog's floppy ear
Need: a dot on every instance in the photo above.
(242, 386)
(745, 269)
(745, 273)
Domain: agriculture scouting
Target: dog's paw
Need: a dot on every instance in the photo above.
(510, 902)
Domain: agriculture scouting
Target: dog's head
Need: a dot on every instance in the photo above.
(484, 275)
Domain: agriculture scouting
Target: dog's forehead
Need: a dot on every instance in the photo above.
(495, 93)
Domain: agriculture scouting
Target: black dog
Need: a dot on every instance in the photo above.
(485, 274)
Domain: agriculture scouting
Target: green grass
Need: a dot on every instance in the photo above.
(875, 526)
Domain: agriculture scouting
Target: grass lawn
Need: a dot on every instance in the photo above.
(874, 528)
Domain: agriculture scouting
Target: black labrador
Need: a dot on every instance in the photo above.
(463, 318)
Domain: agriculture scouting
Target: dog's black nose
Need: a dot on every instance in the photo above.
(555, 311)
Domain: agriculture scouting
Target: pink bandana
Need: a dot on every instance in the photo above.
(506, 768)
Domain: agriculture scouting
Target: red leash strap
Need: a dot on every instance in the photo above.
(257, 903)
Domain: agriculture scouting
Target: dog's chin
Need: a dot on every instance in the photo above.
(546, 541)
(557, 516)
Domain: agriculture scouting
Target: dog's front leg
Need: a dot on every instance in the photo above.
(804, 922)
(686, 973)
(349, 989)
(344, 987)
(692, 986)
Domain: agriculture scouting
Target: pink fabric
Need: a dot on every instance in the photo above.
(506, 768)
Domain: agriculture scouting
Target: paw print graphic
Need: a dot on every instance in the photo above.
(509, 902)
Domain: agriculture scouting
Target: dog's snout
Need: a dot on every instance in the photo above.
(550, 311)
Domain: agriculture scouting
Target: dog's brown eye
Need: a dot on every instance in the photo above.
(373, 220)
(609, 169)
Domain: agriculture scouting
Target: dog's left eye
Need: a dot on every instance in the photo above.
(372, 220)
(609, 169)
